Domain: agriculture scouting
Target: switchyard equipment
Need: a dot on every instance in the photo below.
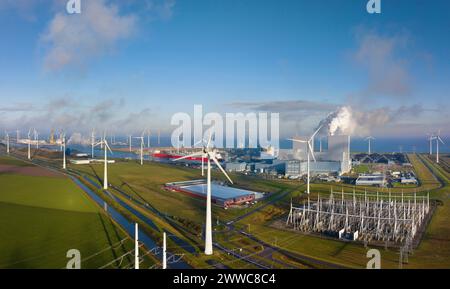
(366, 217)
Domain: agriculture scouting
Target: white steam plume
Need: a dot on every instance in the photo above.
(348, 121)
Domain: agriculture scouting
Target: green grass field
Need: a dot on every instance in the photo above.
(43, 217)
(361, 169)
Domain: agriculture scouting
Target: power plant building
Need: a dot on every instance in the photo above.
(299, 168)
(335, 158)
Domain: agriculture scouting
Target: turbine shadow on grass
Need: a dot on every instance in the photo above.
(100, 180)
(107, 235)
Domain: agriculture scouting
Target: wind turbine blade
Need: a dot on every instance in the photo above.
(209, 139)
(220, 167)
(189, 156)
(311, 151)
(107, 146)
(314, 134)
(439, 138)
(199, 142)
(297, 140)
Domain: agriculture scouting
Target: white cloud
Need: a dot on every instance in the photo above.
(387, 70)
(76, 39)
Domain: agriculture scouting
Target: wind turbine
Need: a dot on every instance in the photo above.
(136, 246)
(104, 138)
(7, 142)
(104, 143)
(164, 263)
(369, 139)
(203, 159)
(431, 137)
(142, 147)
(210, 154)
(129, 141)
(309, 151)
(29, 144)
(148, 138)
(63, 142)
(36, 138)
(92, 143)
(438, 139)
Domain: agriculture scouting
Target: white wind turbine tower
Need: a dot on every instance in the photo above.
(430, 139)
(369, 139)
(7, 142)
(210, 154)
(29, 144)
(104, 143)
(60, 140)
(309, 151)
(148, 138)
(136, 246)
(438, 139)
(92, 143)
(129, 141)
(104, 138)
(36, 138)
(203, 159)
(63, 142)
(164, 263)
(142, 147)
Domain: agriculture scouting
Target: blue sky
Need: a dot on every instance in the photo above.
(132, 64)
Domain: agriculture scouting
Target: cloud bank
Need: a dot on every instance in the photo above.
(69, 115)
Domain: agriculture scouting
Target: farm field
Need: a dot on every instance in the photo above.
(44, 214)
